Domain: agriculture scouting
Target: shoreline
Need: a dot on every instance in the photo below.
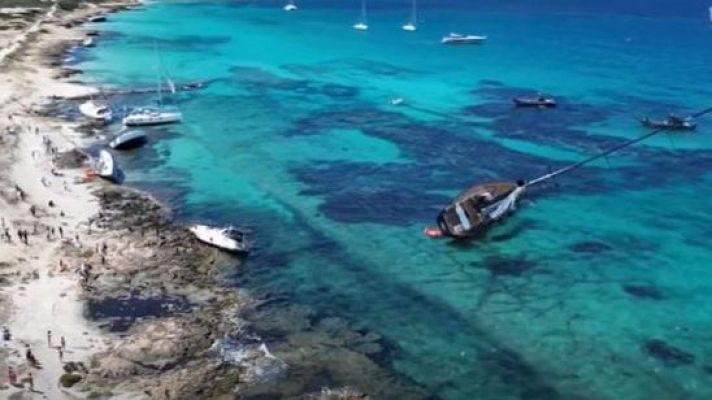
(43, 299)
(154, 312)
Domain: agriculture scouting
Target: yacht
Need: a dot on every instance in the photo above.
(96, 110)
(456, 38)
(228, 239)
(362, 25)
(410, 26)
(148, 116)
(290, 6)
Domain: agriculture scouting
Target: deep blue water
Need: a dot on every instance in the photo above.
(598, 288)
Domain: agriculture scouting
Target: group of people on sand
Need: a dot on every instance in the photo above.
(32, 362)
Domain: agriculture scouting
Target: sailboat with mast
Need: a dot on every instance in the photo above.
(290, 6)
(362, 25)
(159, 115)
(471, 212)
(410, 26)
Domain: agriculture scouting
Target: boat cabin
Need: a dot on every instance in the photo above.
(470, 212)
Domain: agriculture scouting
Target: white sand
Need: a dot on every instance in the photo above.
(52, 301)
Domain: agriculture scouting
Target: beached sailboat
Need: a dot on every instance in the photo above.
(362, 25)
(471, 212)
(228, 239)
(410, 26)
(456, 38)
(129, 140)
(160, 115)
(290, 6)
(107, 167)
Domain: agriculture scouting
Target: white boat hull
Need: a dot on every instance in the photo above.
(153, 118)
(290, 7)
(361, 27)
(107, 168)
(409, 28)
(96, 111)
(218, 237)
(470, 39)
(128, 140)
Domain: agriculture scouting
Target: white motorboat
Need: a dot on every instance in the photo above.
(96, 110)
(129, 140)
(228, 239)
(290, 6)
(152, 116)
(396, 101)
(362, 25)
(456, 38)
(88, 42)
(107, 167)
(410, 26)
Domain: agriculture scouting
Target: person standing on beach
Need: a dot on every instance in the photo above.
(61, 354)
(62, 343)
(49, 338)
(31, 381)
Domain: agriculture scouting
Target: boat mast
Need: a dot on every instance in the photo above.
(604, 153)
(158, 77)
(413, 14)
(363, 11)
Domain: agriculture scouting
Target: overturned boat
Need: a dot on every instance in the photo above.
(478, 207)
(672, 122)
(229, 239)
(456, 38)
(129, 140)
(107, 167)
(538, 101)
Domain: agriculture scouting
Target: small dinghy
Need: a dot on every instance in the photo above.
(96, 110)
(456, 38)
(228, 239)
(672, 122)
(129, 140)
(107, 168)
(539, 101)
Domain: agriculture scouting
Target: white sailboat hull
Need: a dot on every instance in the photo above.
(107, 168)
(361, 26)
(290, 7)
(152, 117)
(409, 28)
(463, 39)
(129, 140)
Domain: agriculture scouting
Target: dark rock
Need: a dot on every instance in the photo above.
(670, 355)
(504, 266)
(590, 247)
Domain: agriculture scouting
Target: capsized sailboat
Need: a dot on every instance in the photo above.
(410, 26)
(471, 212)
(362, 25)
(107, 167)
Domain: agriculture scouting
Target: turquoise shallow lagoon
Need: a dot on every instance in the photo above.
(599, 288)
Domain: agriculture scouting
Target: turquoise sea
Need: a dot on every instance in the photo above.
(599, 287)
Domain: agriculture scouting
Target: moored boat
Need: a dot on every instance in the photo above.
(129, 140)
(362, 25)
(107, 167)
(538, 101)
(88, 42)
(456, 38)
(228, 239)
(290, 6)
(410, 25)
(476, 208)
(97, 110)
(672, 122)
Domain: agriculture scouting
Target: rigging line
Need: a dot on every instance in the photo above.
(613, 149)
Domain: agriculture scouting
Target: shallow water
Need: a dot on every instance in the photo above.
(598, 288)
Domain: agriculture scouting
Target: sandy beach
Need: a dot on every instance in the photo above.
(40, 292)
